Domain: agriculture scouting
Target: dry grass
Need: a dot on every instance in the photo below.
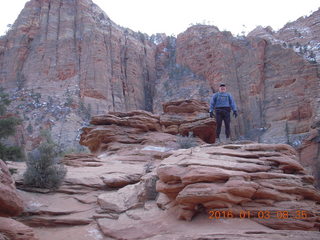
(3, 237)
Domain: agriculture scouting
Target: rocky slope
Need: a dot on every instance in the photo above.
(114, 193)
(117, 200)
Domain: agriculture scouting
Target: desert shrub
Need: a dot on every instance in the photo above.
(8, 124)
(186, 142)
(11, 153)
(43, 168)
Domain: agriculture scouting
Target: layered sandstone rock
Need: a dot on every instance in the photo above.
(184, 116)
(115, 197)
(247, 181)
(140, 127)
(81, 160)
(11, 203)
(91, 191)
(13, 230)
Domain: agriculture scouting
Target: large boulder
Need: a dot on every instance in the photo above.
(140, 127)
(184, 116)
(10, 202)
(130, 196)
(263, 179)
(14, 230)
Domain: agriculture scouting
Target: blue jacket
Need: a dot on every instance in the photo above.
(222, 99)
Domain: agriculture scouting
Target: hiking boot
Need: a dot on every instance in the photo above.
(218, 140)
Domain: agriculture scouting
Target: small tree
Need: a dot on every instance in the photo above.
(43, 168)
(8, 125)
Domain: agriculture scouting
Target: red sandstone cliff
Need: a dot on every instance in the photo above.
(65, 60)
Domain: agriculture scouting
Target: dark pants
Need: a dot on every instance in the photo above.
(223, 114)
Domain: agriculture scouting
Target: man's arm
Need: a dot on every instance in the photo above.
(212, 102)
(233, 104)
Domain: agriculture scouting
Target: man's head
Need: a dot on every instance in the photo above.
(222, 87)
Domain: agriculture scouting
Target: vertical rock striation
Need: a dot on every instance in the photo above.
(73, 61)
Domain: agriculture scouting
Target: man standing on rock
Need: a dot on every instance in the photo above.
(222, 103)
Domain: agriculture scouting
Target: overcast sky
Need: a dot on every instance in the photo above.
(175, 16)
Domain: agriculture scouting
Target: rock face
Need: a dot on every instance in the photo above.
(14, 230)
(262, 182)
(64, 60)
(301, 35)
(11, 203)
(116, 130)
(309, 153)
(81, 160)
(175, 80)
(275, 89)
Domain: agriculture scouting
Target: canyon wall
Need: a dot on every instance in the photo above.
(65, 60)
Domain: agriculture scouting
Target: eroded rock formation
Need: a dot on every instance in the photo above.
(102, 200)
(116, 130)
(11, 204)
(251, 179)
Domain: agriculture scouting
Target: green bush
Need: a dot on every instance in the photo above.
(8, 125)
(11, 153)
(186, 142)
(43, 168)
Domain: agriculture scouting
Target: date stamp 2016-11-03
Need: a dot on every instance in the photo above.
(260, 214)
